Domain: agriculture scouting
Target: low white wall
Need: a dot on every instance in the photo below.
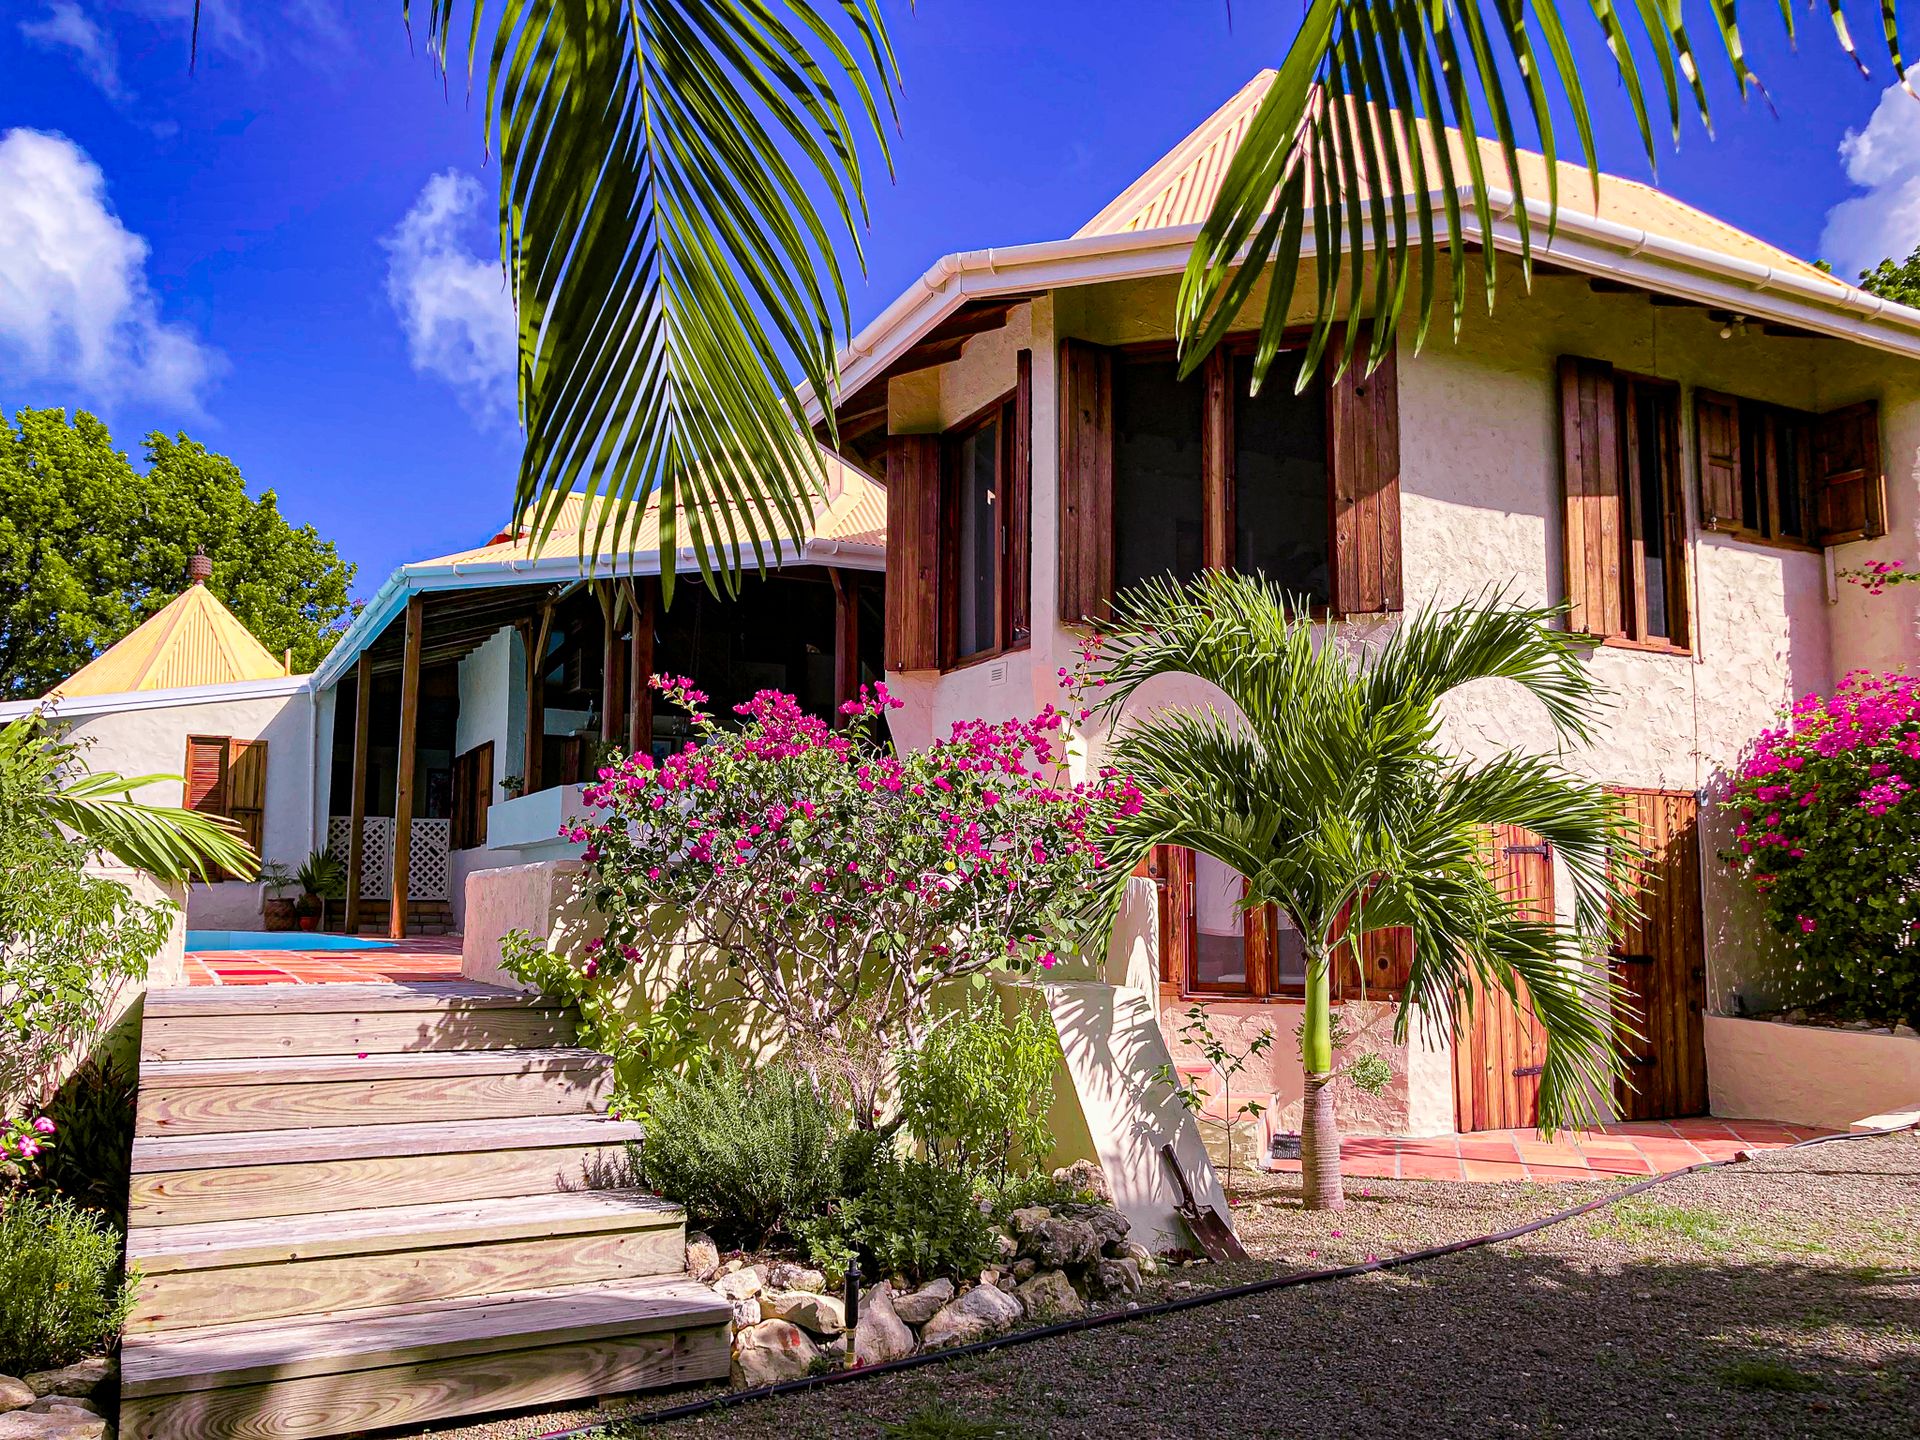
(538, 898)
(1807, 1074)
(229, 905)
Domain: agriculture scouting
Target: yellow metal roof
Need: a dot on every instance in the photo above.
(194, 640)
(852, 512)
(1181, 186)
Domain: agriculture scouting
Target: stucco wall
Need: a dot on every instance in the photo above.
(1808, 1075)
(493, 703)
(154, 741)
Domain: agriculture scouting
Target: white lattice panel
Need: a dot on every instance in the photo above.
(429, 871)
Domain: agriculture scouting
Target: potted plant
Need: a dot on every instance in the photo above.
(276, 910)
(513, 786)
(321, 878)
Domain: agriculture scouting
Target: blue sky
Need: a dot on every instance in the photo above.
(287, 254)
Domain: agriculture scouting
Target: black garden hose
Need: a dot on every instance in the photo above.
(731, 1398)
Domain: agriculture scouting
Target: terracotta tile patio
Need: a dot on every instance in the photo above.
(422, 957)
(1644, 1147)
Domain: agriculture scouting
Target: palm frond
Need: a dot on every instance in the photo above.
(668, 171)
(1353, 133)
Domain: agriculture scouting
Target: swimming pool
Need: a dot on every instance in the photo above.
(278, 940)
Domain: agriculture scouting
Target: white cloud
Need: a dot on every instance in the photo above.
(67, 26)
(453, 303)
(1884, 159)
(75, 306)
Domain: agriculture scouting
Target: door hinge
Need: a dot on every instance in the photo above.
(1644, 1062)
(1633, 959)
(1524, 1072)
(1541, 849)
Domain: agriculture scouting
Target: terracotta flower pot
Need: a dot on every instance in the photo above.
(278, 913)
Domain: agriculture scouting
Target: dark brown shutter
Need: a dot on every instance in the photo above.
(913, 552)
(1716, 427)
(1086, 481)
(1593, 517)
(206, 772)
(1020, 507)
(1364, 445)
(247, 789)
(1849, 488)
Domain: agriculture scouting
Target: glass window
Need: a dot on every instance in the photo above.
(1282, 519)
(1653, 409)
(1220, 939)
(1156, 472)
(977, 502)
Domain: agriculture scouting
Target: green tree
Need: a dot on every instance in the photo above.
(1899, 283)
(90, 546)
(1325, 784)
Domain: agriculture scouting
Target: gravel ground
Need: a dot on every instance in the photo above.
(1776, 1298)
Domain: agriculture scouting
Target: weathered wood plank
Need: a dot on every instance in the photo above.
(355, 997)
(409, 1394)
(171, 1361)
(156, 1153)
(216, 1037)
(328, 1069)
(403, 1276)
(210, 1107)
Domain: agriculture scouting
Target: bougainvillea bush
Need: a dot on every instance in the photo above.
(841, 883)
(1828, 831)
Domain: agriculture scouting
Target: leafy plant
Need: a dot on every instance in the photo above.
(1828, 834)
(976, 1091)
(1325, 786)
(277, 879)
(748, 1152)
(513, 786)
(93, 1112)
(906, 1217)
(62, 1295)
(1223, 1064)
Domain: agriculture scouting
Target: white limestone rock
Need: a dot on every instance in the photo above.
(703, 1256)
(1050, 1296)
(881, 1336)
(923, 1304)
(786, 1275)
(14, 1394)
(772, 1351)
(983, 1311)
(819, 1314)
(83, 1377)
(741, 1284)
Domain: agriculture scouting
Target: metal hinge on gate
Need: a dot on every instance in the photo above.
(1540, 849)
(1645, 1062)
(1633, 959)
(1524, 1072)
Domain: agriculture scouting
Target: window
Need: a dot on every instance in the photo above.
(228, 777)
(1624, 517)
(1162, 477)
(978, 524)
(472, 794)
(1787, 477)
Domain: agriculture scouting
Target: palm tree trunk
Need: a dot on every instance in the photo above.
(1319, 1128)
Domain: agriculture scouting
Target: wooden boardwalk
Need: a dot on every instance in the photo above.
(365, 1205)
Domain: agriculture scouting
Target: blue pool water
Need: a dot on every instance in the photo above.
(278, 940)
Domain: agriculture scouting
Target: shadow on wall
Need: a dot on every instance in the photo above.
(1751, 967)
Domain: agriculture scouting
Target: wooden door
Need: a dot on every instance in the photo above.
(1660, 963)
(1497, 1061)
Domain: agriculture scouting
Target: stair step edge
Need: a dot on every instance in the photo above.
(345, 998)
(393, 1065)
(216, 1357)
(220, 1150)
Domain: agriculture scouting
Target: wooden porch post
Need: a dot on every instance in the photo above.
(536, 642)
(846, 640)
(398, 891)
(613, 664)
(357, 804)
(640, 598)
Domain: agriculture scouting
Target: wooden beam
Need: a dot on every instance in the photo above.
(536, 641)
(357, 805)
(398, 890)
(613, 662)
(846, 640)
(1216, 462)
(642, 598)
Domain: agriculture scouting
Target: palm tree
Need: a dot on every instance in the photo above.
(1325, 784)
(45, 785)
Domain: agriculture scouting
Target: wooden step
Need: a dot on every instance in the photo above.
(207, 1274)
(181, 1097)
(253, 1174)
(429, 1027)
(355, 997)
(316, 1376)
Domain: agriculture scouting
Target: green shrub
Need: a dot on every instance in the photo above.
(1040, 1189)
(91, 1157)
(913, 1218)
(61, 1292)
(748, 1153)
(976, 1093)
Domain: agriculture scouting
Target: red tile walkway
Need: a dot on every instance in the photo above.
(423, 957)
(1644, 1147)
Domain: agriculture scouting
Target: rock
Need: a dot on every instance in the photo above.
(983, 1311)
(772, 1351)
(1005, 1245)
(881, 1336)
(1114, 1279)
(703, 1256)
(1050, 1296)
(83, 1377)
(59, 1404)
(1142, 1257)
(1907, 1031)
(820, 1314)
(923, 1304)
(789, 1276)
(746, 1312)
(1024, 1270)
(1058, 1242)
(1109, 1226)
(1028, 1218)
(740, 1284)
(835, 1351)
(1085, 1175)
(62, 1424)
(14, 1394)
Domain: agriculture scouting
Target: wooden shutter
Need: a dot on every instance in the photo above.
(1593, 507)
(472, 794)
(1020, 507)
(1849, 488)
(1364, 450)
(1086, 482)
(247, 788)
(913, 552)
(1716, 428)
(206, 772)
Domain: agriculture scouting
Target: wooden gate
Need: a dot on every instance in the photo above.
(1660, 963)
(1496, 1063)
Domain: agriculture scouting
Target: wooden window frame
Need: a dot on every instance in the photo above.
(240, 759)
(1673, 505)
(1773, 418)
(1009, 544)
(468, 830)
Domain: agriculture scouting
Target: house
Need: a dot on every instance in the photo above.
(1677, 430)
(428, 706)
